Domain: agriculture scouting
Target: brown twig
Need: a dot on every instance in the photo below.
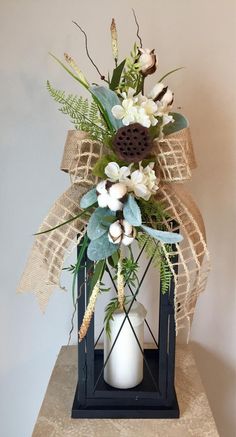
(102, 77)
(137, 24)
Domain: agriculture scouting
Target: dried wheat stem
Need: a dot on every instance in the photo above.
(89, 312)
(120, 284)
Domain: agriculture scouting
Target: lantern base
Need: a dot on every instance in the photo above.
(108, 412)
(141, 401)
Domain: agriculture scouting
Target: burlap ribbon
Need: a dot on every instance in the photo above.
(174, 162)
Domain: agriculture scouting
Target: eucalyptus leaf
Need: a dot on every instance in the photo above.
(163, 236)
(88, 199)
(95, 228)
(132, 212)
(107, 99)
(180, 122)
(101, 248)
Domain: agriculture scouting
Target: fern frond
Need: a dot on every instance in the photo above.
(84, 115)
(153, 250)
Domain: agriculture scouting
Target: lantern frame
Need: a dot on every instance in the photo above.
(155, 396)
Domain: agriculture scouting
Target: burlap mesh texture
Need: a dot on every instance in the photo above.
(43, 269)
(174, 161)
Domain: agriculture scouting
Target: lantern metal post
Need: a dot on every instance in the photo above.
(155, 396)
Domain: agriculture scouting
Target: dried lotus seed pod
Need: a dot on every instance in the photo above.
(132, 143)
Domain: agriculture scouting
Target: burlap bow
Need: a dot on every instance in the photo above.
(174, 162)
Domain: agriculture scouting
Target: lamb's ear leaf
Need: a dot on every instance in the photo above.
(95, 228)
(107, 99)
(101, 248)
(132, 212)
(88, 199)
(179, 123)
(163, 236)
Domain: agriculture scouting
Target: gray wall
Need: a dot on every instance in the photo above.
(197, 34)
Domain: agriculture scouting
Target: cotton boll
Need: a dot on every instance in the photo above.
(115, 232)
(117, 191)
(103, 200)
(114, 204)
(101, 187)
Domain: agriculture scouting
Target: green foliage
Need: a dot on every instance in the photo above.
(116, 76)
(153, 212)
(170, 72)
(180, 122)
(84, 115)
(131, 76)
(111, 307)
(107, 99)
(129, 271)
(153, 250)
(98, 272)
(132, 212)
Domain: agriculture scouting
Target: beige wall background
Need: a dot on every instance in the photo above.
(199, 35)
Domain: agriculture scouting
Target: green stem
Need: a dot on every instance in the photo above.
(67, 221)
(78, 264)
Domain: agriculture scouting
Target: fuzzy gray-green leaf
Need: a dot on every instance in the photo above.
(101, 248)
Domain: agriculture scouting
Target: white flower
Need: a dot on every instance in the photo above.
(147, 61)
(143, 182)
(150, 108)
(136, 109)
(121, 232)
(111, 197)
(116, 173)
(137, 184)
(127, 110)
(150, 177)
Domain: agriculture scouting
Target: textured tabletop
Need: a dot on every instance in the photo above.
(54, 417)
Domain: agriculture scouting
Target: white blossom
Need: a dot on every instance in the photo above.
(136, 109)
(143, 182)
(116, 173)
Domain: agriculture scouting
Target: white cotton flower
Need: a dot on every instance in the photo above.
(163, 97)
(121, 232)
(117, 191)
(147, 61)
(111, 197)
(116, 173)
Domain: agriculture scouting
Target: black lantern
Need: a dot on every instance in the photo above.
(155, 396)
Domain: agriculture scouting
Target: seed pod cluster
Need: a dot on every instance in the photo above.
(132, 143)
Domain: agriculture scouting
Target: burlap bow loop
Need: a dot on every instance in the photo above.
(174, 156)
(80, 156)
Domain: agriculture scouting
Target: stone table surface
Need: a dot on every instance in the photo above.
(54, 417)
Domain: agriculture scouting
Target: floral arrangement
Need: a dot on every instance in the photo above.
(122, 207)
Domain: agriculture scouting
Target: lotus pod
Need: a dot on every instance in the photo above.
(132, 143)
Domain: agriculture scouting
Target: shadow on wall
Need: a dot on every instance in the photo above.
(219, 384)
